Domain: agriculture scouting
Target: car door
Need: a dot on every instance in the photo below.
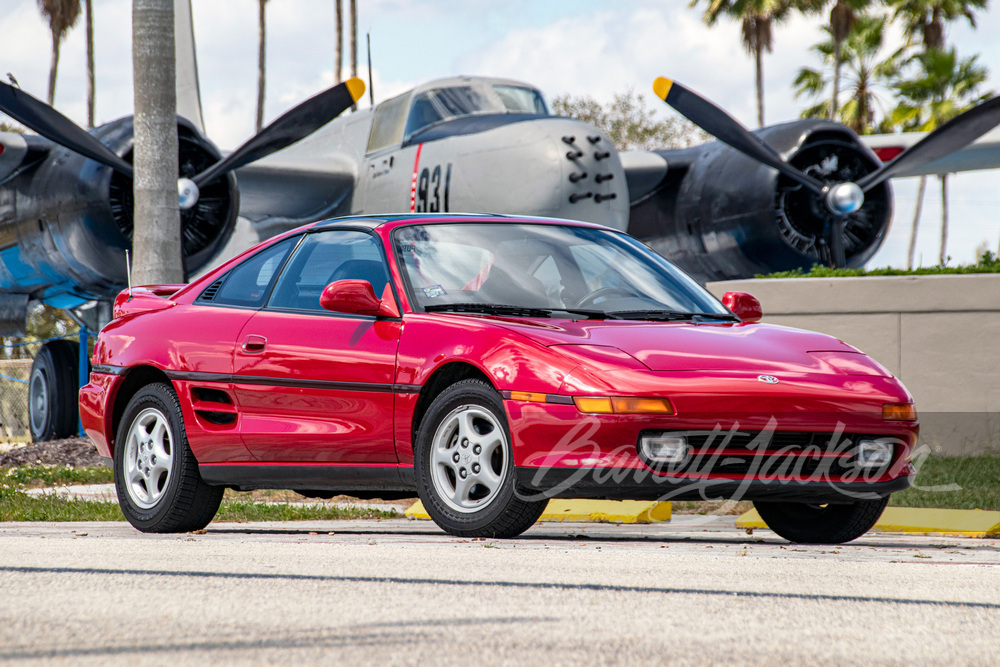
(203, 352)
(317, 386)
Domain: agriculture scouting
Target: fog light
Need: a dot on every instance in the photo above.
(664, 448)
(873, 453)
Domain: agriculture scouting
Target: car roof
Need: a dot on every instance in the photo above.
(398, 219)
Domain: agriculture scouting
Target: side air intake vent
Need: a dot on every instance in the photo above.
(211, 291)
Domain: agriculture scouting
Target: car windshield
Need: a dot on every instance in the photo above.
(541, 269)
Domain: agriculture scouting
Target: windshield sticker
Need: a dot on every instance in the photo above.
(432, 291)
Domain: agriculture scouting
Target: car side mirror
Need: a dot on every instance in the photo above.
(357, 297)
(744, 306)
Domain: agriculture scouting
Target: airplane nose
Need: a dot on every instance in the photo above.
(593, 179)
(589, 154)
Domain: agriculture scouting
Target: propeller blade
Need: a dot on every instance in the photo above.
(958, 132)
(838, 254)
(294, 125)
(728, 130)
(46, 121)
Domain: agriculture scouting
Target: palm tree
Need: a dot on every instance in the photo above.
(757, 19)
(354, 43)
(261, 61)
(157, 232)
(843, 15)
(924, 23)
(942, 86)
(867, 71)
(338, 66)
(89, 21)
(61, 15)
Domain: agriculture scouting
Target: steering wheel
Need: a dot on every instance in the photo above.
(604, 292)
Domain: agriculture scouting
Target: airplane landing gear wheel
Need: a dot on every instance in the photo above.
(52, 391)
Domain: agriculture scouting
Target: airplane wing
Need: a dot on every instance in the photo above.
(312, 179)
(283, 192)
(982, 154)
(13, 149)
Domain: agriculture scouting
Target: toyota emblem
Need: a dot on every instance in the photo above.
(768, 379)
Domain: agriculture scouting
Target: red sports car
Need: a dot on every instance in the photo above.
(487, 363)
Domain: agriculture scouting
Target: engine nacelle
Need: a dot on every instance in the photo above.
(727, 216)
(66, 221)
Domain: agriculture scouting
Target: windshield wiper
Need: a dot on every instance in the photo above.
(504, 309)
(670, 315)
(489, 308)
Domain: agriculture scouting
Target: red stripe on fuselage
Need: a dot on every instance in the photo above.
(413, 180)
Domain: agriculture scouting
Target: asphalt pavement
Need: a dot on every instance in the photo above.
(694, 591)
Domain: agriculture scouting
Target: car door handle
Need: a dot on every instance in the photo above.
(254, 343)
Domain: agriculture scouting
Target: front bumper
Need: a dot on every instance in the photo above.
(641, 484)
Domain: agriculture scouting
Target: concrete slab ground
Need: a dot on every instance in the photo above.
(695, 590)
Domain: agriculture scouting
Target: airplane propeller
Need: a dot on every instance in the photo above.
(844, 198)
(293, 125)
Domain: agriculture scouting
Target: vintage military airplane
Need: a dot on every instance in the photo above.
(784, 196)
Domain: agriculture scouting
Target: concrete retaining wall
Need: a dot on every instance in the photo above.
(939, 334)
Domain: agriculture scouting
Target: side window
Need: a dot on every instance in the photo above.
(325, 257)
(248, 284)
(387, 124)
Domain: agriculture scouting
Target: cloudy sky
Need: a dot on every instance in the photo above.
(562, 46)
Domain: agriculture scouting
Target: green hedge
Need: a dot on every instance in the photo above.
(988, 263)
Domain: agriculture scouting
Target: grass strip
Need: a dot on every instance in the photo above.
(36, 476)
(942, 482)
(16, 505)
(939, 478)
(19, 506)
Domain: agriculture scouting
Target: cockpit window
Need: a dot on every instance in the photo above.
(518, 99)
(442, 103)
(387, 125)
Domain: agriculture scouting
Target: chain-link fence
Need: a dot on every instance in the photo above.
(14, 426)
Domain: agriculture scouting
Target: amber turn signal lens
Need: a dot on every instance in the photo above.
(594, 405)
(623, 405)
(530, 396)
(899, 412)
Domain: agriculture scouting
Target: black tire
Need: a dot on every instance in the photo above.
(165, 494)
(821, 524)
(481, 511)
(53, 386)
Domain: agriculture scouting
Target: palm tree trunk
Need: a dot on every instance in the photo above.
(338, 63)
(834, 106)
(89, 20)
(916, 221)
(261, 61)
(157, 234)
(944, 219)
(53, 68)
(354, 43)
(759, 56)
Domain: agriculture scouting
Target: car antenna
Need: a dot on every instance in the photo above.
(128, 274)
(371, 84)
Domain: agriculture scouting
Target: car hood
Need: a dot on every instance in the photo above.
(683, 346)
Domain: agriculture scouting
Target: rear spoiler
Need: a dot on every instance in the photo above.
(147, 297)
